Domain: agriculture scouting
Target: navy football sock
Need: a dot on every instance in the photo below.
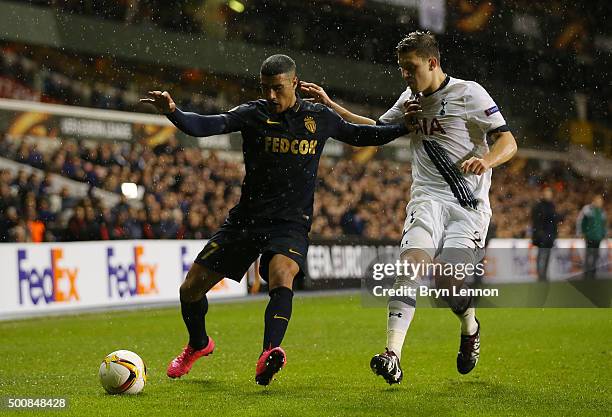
(277, 316)
(193, 316)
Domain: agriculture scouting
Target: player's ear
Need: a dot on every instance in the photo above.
(433, 63)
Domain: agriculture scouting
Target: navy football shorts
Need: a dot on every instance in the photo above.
(237, 244)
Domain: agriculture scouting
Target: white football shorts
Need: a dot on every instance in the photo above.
(433, 225)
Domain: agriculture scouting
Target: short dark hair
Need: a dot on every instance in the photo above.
(277, 64)
(423, 43)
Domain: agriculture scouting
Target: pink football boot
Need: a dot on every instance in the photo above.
(270, 362)
(182, 363)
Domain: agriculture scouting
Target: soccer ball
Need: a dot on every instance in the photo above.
(123, 372)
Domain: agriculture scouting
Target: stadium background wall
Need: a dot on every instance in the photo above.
(343, 264)
(54, 277)
(66, 277)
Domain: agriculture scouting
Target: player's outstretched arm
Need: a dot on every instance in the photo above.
(320, 96)
(191, 123)
(502, 150)
(367, 135)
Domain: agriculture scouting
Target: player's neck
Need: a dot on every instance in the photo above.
(293, 102)
(438, 79)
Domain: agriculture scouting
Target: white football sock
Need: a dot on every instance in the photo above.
(398, 322)
(400, 313)
(468, 321)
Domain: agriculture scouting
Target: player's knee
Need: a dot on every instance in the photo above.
(458, 304)
(413, 263)
(188, 291)
(454, 266)
(282, 277)
(415, 256)
(196, 283)
(282, 272)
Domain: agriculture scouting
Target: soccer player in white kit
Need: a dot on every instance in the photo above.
(448, 214)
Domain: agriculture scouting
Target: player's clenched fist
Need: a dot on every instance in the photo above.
(412, 111)
(474, 165)
(161, 100)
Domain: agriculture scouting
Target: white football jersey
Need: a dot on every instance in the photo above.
(452, 128)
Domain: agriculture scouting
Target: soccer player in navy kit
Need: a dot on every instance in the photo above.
(283, 138)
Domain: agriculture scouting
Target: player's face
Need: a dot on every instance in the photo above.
(548, 194)
(279, 91)
(598, 201)
(416, 71)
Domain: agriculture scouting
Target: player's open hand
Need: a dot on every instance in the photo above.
(316, 92)
(412, 112)
(474, 165)
(161, 100)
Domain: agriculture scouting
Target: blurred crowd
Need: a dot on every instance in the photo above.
(47, 75)
(186, 195)
(43, 74)
(188, 192)
(518, 186)
(560, 46)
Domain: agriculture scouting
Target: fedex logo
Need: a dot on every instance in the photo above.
(53, 283)
(131, 278)
(185, 262)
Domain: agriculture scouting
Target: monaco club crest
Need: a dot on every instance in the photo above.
(310, 124)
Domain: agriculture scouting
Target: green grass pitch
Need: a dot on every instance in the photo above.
(544, 362)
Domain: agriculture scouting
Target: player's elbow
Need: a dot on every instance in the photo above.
(512, 146)
(193, 132)
(507, 145)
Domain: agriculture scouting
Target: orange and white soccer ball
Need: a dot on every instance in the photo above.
(123, 372)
